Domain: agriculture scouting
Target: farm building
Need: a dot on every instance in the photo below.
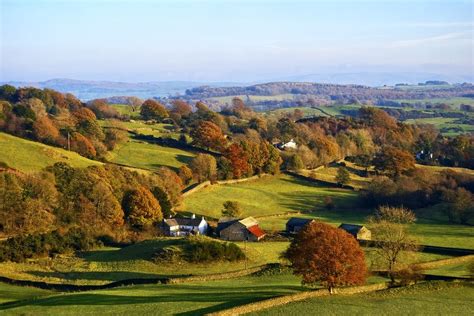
(358, 231)
(182, 226)
(239, 229)
(288, 145)
(295, 224)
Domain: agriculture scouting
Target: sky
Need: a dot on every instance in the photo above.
(233, 41)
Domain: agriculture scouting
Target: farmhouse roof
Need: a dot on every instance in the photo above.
(351, 228)
(298, 221)
(182, 221)
(256, 231)
(248, 221)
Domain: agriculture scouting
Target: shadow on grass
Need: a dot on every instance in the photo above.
(141, 251)
(194, 294)
(102, 276)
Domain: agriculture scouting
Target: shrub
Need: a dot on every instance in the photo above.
(200, 250)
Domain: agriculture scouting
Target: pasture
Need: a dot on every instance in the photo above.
(267, 196)
(149, 156)
(30, 156)
(434, 298)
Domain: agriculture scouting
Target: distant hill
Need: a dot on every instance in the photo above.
(87, 90)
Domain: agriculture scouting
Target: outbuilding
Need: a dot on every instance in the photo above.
(233, 229)
(358, 231)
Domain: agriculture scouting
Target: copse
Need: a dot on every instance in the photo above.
(153, 110)
(141, 207)
(323, 254)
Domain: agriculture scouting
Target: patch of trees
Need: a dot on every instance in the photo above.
(20, 248)
(452, 191)
(58, 119)
(100, 200)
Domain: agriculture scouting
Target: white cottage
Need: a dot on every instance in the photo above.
(182, 226)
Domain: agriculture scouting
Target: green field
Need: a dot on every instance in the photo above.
(125, 109)
(448, 124)
(454, 102)
(176, 299)
(29, 156)
(144, 155)
(10, 293)
(436, 298)
(266, 196)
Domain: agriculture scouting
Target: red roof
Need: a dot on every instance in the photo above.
(256, 231)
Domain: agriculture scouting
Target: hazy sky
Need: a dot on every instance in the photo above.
(230, 40)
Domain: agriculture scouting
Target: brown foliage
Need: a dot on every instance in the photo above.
(238, 159)
(208, 135)
(141, 207)
(153, 110)
(324, 254)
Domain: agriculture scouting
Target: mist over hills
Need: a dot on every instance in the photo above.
(91, 89)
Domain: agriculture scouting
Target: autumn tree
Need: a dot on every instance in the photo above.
(394, 161)
(135, 103)
(321, 253)
(141, 207)
(186, 174)
(343, 176)
(208, 135)
(204, 167)
(164, 200)
(45, 131)
(232, 209)
(294, 163)
(181, 107)
(238, 160)
(392, 240)
(153, 110)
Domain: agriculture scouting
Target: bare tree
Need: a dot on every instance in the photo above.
(392, 240)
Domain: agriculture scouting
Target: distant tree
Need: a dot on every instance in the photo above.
(181, 107)
(102, 109)
(324, 254)
(204, 167)
(458, 204)
(224, 168)
(232, 209)
(82, 145)
(238, 160)
(208, 135)
(45, 131)
(153, 110)
(394, 161)
(294, 163)
(164, 200)
(343, 176)
(7, 92)
(186, 174)
(141, 207)
(171, 183)
(135, 103)
(392, 239)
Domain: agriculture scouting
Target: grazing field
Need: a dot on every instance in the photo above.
(176, 299)
(149, 156)
(266, 196)
(435, 298)
(108, 264)
(454, 102)
(447, 126)
(29, 156)
(10, 293)
(125, 109)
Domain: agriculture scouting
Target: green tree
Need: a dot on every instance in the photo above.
(164, 200)
(343, 176)
(232, 209)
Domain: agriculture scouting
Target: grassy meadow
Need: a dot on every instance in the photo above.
(267, 196)
(149, 156)
(29, 156)
(436, 298)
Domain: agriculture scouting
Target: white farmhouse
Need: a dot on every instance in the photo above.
(181, 226)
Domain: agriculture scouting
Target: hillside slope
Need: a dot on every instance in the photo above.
(28, 156)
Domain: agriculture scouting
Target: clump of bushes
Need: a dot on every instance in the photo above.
(273, 269)
(20, 248)
(199, 250)
(202, 250)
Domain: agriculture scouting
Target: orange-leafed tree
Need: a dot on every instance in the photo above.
(238, 160)
(153, 110)
(394, 161)
(326, 255)
(141, 207)
(208, 135)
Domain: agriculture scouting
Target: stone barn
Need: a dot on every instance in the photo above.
(246, 229)
(358, 231)
(295, 224)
